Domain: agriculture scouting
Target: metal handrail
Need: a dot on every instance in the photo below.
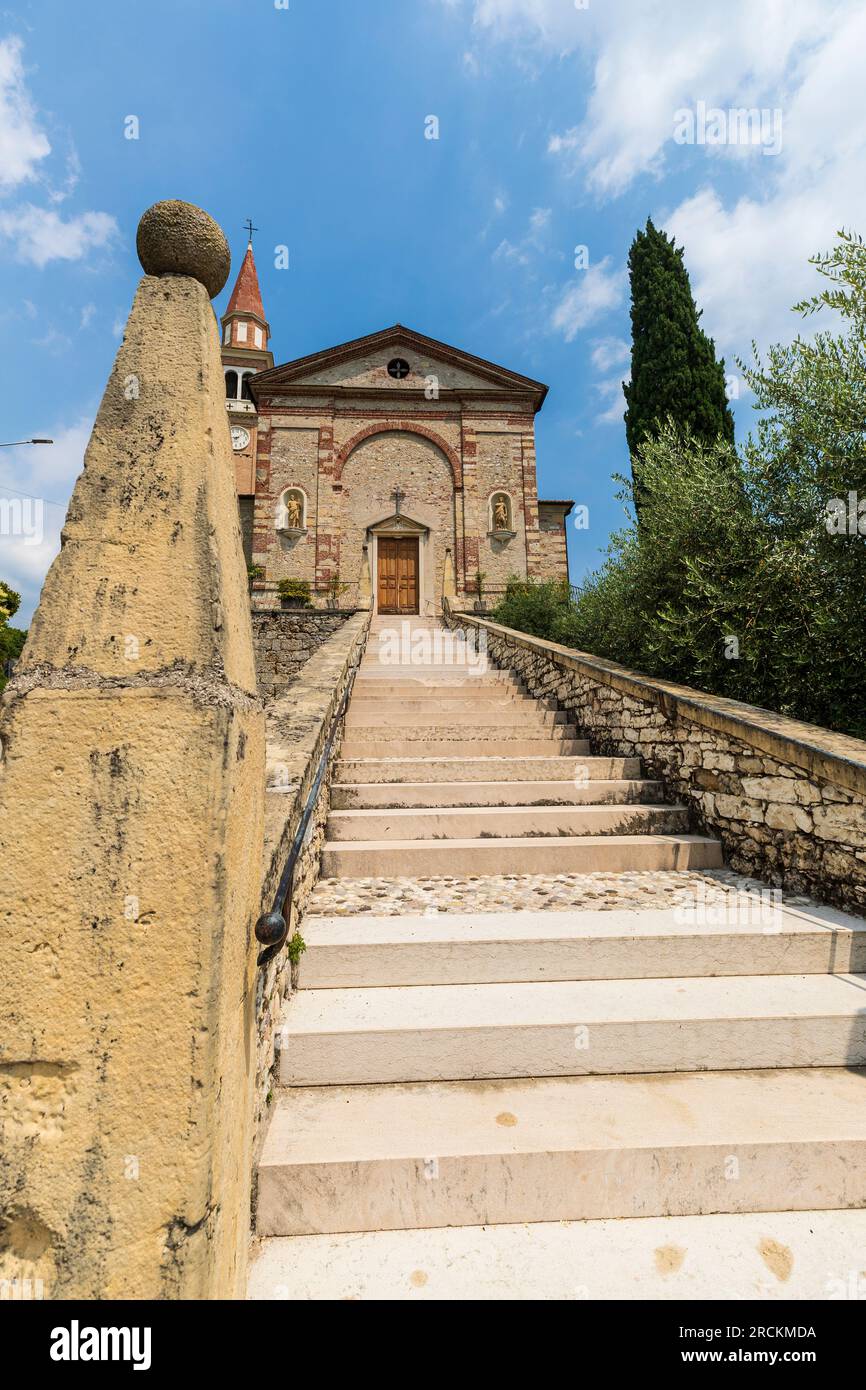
(272, 927)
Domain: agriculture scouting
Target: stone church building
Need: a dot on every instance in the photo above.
(388, 471)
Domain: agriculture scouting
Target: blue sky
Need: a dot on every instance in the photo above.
(556, 130)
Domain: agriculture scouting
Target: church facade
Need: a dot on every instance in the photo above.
(387, 472)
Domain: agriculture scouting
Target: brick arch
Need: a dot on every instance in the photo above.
(399, 427)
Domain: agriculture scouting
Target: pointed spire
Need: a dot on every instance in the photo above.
(246, 297)
(244, 326)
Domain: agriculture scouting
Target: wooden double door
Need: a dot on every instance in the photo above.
(397, 579)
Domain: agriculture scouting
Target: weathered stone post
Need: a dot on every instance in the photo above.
(131, 806)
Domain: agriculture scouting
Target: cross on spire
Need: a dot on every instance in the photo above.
(399, 497)
(250, 229)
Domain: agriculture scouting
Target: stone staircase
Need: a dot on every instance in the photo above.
(446, 1068)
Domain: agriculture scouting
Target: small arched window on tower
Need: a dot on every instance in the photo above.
(246, 393)
(292, 511)
(501, 515)
(231, 386)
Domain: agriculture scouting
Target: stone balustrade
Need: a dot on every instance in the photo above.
(297, 726)
(787, 799)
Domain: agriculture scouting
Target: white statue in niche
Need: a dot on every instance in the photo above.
(500, 514)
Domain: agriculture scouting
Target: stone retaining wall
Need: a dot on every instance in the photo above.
(787, 800)
(284, 639)
(297, 730)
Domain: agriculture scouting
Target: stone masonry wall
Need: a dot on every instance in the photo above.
(297, 730)
(284, 641)
(787, 800)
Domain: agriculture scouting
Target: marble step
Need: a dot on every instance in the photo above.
(771, 1256)
(440, 744)
(470, 1032)
(505, 822)
(746, 935)
(398, 1157)
(536, 768)
(618, 792)
(446, 672)
(526, 855)
(530, 718)
(477, 728)
(417, 682)
(446, 702)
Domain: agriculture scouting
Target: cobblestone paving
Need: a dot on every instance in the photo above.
(346, 897)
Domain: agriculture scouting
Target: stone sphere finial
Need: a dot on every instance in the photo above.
(176, 238)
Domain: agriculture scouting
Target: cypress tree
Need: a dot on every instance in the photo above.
(674, 371)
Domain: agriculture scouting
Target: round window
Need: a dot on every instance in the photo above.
(398, 368)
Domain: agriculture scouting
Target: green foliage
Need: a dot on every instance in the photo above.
(298, 589)
(10, 602)
(735, 582)
(538, 608)
(674, 372)
(255, 572)
(12, 639)
(296, 948)
(336, 588)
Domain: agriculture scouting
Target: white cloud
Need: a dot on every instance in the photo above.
(40, 235)
(70, 178)
(611, 390)
(523, 251)
(749, 222)
(748, 256)
(48, 474)
(557, 24)
(88, 314)
(652, 57)
(22, 143)
(610, 352)
(54, 341)
(592, 293)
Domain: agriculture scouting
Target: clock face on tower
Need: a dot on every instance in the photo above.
(240, 437)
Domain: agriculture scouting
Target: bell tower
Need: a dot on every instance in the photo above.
(245, 333)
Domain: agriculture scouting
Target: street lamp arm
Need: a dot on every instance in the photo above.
(16, 442)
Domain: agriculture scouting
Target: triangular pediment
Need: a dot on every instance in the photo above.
(362, 366)
(398, 523)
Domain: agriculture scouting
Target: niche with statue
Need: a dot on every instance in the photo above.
(501, 527)
(292, 513)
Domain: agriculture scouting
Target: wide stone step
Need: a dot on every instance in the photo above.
(537, 769)
(508, 822)
(622, 791)
(477, 728)
(446, 674)
(526, 855)
(530, 718)
(376, 1158)
(372, 683)
(428, 746)
(744, 935)
(743, 1256)
(595, 1027)
(447, 702)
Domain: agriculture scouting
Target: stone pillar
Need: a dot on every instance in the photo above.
(449, 583)
(365, 584)
(131, 816)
